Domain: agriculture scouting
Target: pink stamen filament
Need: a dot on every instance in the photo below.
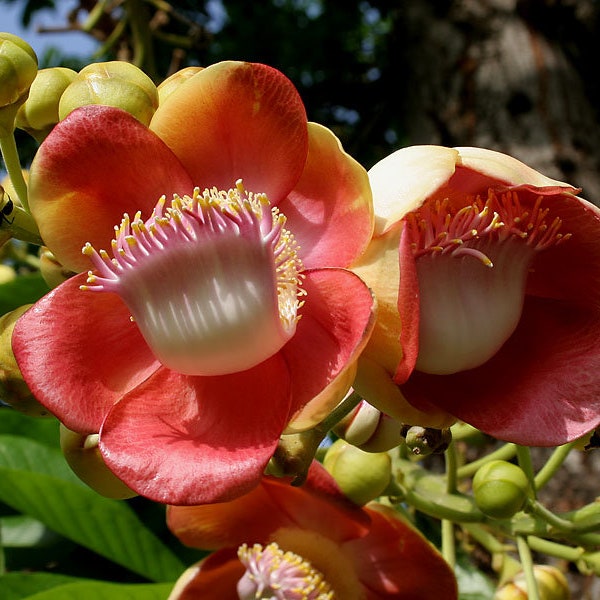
(212, 280)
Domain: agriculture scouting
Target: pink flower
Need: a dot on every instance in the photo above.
(278, 538)
(222, 307)
(487, 275)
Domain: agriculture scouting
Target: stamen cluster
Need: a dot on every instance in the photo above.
(434, 228)
(278, 575)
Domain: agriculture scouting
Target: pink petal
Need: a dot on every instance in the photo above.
(237, 120)
(214, 578)
(336, 321)
(395, 561)
(79, 352)
(318, 505)
(95, 165)
(330, 211)
(192, 440)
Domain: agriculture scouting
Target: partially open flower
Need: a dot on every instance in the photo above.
(219, 311)
(281, 541)
(487, 279)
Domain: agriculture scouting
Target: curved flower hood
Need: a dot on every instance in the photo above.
(357, 553)
(486, 274)
(221, 310)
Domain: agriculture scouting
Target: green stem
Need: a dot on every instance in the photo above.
(524, 458)
(505, 452)
(10, 154)
(552, 465)
(344, 408)
(448, 542)
(527, 564)
(555, 549)
(448, 537)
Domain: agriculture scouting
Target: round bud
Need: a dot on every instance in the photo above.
(171, 83)
(13, 389)
(500, 489)
(114, 83)
(367, 428)
(551, 584)
(39, 113)
(423, 441)
(362, 476)
(83, 456)
(51, 270)
(18, 67)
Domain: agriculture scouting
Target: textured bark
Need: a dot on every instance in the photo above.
(499, 74)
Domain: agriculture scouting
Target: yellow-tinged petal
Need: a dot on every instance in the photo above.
(379, 269)
(503, 167)
(403, 180)
(376, 386)
(321, 405)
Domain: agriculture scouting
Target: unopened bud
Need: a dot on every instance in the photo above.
(51, 270)
(18, 67)
(500, 489)
(551, 584)
(114, 83)
(39, 114)
(83, 456)
(423, 441)
(13, 389)
(362, 476)
(367, 428)
(170, 84)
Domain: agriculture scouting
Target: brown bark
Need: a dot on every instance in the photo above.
(493, 73)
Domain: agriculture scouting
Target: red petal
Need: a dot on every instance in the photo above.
(79, 353)
(541, 388)
(318, 506)
(332, 199)
(214, 578)
(237, 120)
(396, 561)
(193, 440)
(336, 321)
(95, 165)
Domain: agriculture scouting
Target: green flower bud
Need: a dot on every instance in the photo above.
(551, 584)
(13, 389)
(38, 115)
(500, 489)
(170, 84)
(114, 83)
(423, 441)
(362, 476)
(369, 429)
(52, 271)
(18, 67)
(83, 456)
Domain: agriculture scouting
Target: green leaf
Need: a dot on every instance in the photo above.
(25, 289)
(98, 590)
(41, 429)
(472, 583)
(36, 481)
(16, 586)
(21, 531)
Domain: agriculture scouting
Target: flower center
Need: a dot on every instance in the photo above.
(472, 268)
(274, 574)
(213, 281)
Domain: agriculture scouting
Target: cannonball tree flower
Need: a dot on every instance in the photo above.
(487, 275)
(219, 314)
(281, 541)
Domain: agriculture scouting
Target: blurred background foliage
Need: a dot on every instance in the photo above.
(515, 75)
